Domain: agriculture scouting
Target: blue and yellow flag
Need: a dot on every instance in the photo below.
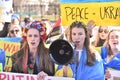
(80, 1)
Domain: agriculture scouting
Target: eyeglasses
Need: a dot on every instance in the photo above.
(12, 31)
(101, 30)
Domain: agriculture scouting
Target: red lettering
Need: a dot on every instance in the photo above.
(20, 77)
(13, 49)
(8, 77)
(2, 76)
(7, 47)
(32, 78)
(27, 77)
(13, 77)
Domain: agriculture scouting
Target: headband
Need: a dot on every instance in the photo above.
(40, 26)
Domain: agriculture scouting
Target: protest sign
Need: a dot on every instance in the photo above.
(115, 75)
(10, 48)
(20, 76)
(1, 11)
(5, 10)
(103, 13)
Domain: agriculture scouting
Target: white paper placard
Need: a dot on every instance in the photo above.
(115, 75)
(19, 76)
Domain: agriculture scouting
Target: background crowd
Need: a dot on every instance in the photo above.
(95, 48)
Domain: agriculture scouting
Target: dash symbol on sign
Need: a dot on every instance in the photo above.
(93, 13)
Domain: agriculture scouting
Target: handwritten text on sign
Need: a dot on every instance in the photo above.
(106, 13)
(10, 48)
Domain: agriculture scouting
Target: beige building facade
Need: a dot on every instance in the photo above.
(37, 7)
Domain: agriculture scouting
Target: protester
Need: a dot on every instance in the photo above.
(87, 63)
(101, 36)
(33, 57)
(79, 36)
(110, 52)
(7, 21)
(90, 25)
(4, 31)
(14, 30)
(15, 19)
(27, 20)
(48, 25)
(1, 25)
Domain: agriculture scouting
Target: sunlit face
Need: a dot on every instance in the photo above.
(103, 32)
(33, 38)
(114, 39)
(78, 36)
(15, 31)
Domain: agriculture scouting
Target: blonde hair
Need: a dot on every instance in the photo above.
(97, 42)
(110, 53)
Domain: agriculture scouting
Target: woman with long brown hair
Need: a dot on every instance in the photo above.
(33, 57)
(101, 36)
(87, 64)
(110, 52)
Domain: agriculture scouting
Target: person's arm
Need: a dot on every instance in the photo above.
(64, 71)
(91, 24)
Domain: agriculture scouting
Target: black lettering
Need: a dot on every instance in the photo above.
(117, 13)
(85, 13)
(109, 12)
(68, 13)
(76, 13)
(7, 58)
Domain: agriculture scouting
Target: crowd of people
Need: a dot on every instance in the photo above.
(88, 62)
